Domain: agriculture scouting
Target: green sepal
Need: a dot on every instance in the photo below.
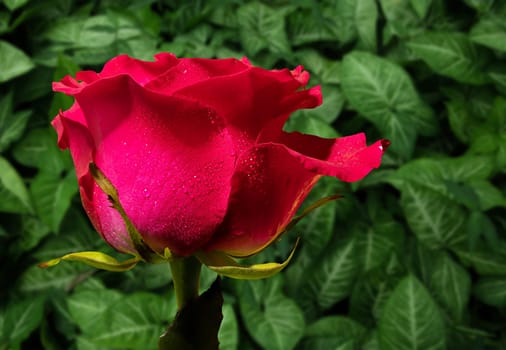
(142, 249)
(96, 259)
(315, 205)
(226, 266)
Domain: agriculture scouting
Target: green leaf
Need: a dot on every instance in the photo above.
(451, 54)
(87, 307)
(372, 343)
(335, 332)
(262, 27)
(489, 195)
(421, 7)
(228, 335)
(331, 278)
(316, 230)
(491, 32)
(273, 320)
(12, 124)
(480, 5)
(39, 149)
(33, 231)
(15, 198)
(52, 196)
(14, 62)
(451, 285)
(62, 276)
(78, 236)
(402, 20)
(411, 319)
(303, 121)
(133, 321)
(22, 318)
(14, 4)
(434, 173)
(485, 261)
(432, 211)
(370, 294)
(375, 244)
(436, 220)
(460, 119)
(491, 291)
(97, 31)
(366, 16)
(383, 93)
(309, 27)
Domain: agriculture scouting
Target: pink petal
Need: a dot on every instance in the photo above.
(169, 159)
(267, 188)
(272, 180)
(106, 221)
(190, 71)
(347, 158)
(250, 99)
(140, 71)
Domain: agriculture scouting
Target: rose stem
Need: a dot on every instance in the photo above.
(186, 278)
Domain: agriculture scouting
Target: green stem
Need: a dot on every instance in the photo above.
(198, 318)
(186, 278)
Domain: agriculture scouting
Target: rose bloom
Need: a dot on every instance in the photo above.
(197, 152)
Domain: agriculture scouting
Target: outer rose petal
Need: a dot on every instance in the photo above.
(140, 71)
(109, 224)
(267, 188)
(169, 159)
(272, 180)
(347, 158)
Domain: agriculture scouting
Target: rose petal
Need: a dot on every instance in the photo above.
(76, 137)
(106, 221)
(272, 180)
(347, 158)
(191, 71)
(140, 71)
(250, 99)
(267, 188)
(169, 159)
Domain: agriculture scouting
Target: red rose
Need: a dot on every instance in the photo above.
(196, 151)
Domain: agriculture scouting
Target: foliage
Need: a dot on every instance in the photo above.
(413, 256)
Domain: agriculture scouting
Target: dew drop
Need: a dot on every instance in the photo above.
(146, 193)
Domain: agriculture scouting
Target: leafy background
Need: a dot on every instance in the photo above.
(413, 257)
